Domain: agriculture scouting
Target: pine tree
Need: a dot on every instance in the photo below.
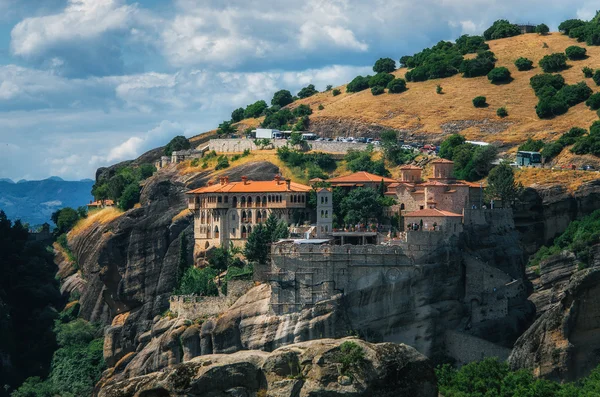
(257, 246)
(502, 185)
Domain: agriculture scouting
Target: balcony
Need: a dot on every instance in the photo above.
(194, 206)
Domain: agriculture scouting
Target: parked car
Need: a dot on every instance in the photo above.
(588, 168)
(369, 140)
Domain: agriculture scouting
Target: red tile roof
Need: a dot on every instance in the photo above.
(253, 187)
(442, 161)
(431, 213)
(361, 177)
(410, 167)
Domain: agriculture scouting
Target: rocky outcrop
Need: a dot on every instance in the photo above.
(544, 212)
(305, 369)
(563, 342)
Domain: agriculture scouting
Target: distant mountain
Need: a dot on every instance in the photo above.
(35, 201)
(7, 180)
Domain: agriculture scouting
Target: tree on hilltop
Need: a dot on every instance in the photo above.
(384, 65)
(502, 185)
(178, 143)
(282, 98)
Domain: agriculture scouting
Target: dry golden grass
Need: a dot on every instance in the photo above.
(101, 217)
(571, 179)
(423, 110)
(182, 214)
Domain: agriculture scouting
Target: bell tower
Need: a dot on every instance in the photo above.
(324, 212)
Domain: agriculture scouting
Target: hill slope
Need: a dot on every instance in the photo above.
(423, 113)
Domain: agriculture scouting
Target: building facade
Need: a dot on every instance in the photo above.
(226, 212)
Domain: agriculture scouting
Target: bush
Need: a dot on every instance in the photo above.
(499, 75)
(377, 90)
(321, 107)
(587, 72)
(198, 281)
(222, 163)
(554, 62)
(359, 83)
(540, 81)
(178, 143)
(501, 112)
(384, 65)
(381, 80)
(439, 61)
(480, 102)
(396, 86)
(551, 150)
(336, 92)
(307, 91)
(574, 94)
(575, 53)
(596, 77)
(255, 110)
(500, 29)
(282, 98)
(351, 357)
(480, 66)
(532, 145)
(302, 110)
(471, 44)
(439, 90)
(130, 197)
(594, 101)
(569, 25)
(237, 115)
(523, 64)
(542, 29)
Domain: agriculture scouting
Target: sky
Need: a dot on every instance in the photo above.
(88, 83)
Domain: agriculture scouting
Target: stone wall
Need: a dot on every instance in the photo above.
(501, 218)
(466, 348)
(241, 144)
(192, 306)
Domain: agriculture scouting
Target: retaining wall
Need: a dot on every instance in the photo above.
(239, 145)
(192, 306)
(466, 348)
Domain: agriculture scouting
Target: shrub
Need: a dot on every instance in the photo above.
(302, 110)
(307, 91)
(336, 92)
(575, 52)
(377, 90)
(542, 29)
(222, 163)
(359, 83)
(596, 77)
(538, 82)
(178, 143)
(523, 64)
(569, 25)
(381, 80)
(501, 112)
(351, 357)
(554, 62)
(550, 107)
(574, 94)
(396, 86)
(440, 61)
(587, 72)
(480, 66)
(384, 65)
(321, 107)
(551, 150)
(594, 101)
(237, 115)
(500, 29)
(499, 75)
(130, 197)
(328, 88)
(480, 102)
(282, 98)
(439, 89)
(255, 110)
(532, 145)
(471, 44)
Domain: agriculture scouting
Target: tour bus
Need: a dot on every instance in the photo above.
(309, 137)
(529, 159)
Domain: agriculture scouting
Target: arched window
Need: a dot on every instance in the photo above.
(264, 215)
(402, 207)
(244, 235)
(326, 213)
(264, 201)
(322, 199)
(243, 201)
(216, 232)
(220, 199)
(249, 201)
(249, 230)
(322, 214)
(258, 217)
(302, 198)
(244, 216)
(249, 216)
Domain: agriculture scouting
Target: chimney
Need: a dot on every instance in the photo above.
(288, 182)
(222, 180)
(277, 179)
(226, 180)
(245, 180)
(209, 183)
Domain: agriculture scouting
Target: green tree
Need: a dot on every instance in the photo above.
(220, 259)
(575, 53)
(532, 145)
(359, 83)
(480, 102)
(471, 44)
(500, 29)
(255, 110)
(295, 139)
(553, 62)
(502, 112)
(502, 185)
(377, 90)
(198, 282)
(256, 248)
(542, 29)
(499, 75)
(282, 98)
(178, 143)
(361, 205)
(237, 115)
(594, 101)
(396, 86)
(384, 65)
(226, 128)
(380, 80)
(523, 64)
(566, 26)
(130, 197)
(450, 144)
(302, 110)
(65, 219)
(336, 92)
(307, 91)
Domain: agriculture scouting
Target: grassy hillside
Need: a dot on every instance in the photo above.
(420, 109)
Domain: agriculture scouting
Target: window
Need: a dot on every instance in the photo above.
(226, 199)
(421, 207)
(233, 231)
(233, 216)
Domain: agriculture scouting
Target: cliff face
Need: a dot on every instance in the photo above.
(545, 212)
(305, 369)
(563, 342)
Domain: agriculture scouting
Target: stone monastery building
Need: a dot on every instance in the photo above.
(226, 212)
